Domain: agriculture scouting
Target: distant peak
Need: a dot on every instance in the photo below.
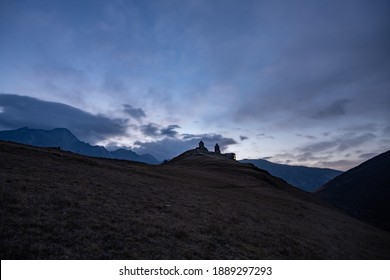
(61, 129)
(56, 131)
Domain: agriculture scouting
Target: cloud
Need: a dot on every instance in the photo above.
(361, 127)
(169, 130)
(344, 60)
(155, 130)
(242, 138)
(64, 79)
(368, 156)
(346, 164)
(340, 143)
(279, 66)
(22, 111)
(150, 129)
(267, 158)
(310, 137)
(326, 153)
(264, 136)
(355, 141)
(335, 109)
(342, 164)
(136, 113)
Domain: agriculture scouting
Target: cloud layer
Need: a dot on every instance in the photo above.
(280, 76)
(23, 111)
(164, 142)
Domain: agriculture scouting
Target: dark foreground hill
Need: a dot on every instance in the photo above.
(58, 205)
(363, 191)
(305, 178)
(65, 140)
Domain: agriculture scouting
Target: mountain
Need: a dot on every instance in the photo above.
(62, 138)
(363, 191)
(305, 178)
(60, 205)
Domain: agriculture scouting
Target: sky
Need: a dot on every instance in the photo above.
(294, 82)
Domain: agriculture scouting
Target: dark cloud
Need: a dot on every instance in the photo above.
(371, 127)
(340, 143)
(310, 137)
(263, 135)
(136, 113)
(326, 153)
(335, 109)
(267, 158)
(344, 59)
(150, 129)
(386, 131)
(242, 138)
(368, 156)
(170, 147)
(300, 157)
(355, 141)
(22, 111)
(352, 161)
(155, 130)
(169, 130)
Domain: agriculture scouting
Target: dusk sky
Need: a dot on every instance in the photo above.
(297, 82)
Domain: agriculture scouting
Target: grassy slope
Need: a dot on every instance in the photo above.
(363, 191)
(57, 205)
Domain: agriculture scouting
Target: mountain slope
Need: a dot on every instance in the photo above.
(305, 178)
(363, 191)
(65, 140)
(59, 205)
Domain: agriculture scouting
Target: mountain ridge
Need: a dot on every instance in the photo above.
(65, 140)
(363, 191)
(306, 178)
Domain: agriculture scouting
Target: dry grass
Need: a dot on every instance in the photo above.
(57, 205)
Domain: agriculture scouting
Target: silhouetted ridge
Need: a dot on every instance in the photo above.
(306, 178)
(64, 139)
(363, 191)
(198, 156)
(61, 205)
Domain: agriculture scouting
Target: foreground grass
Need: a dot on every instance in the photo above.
(57, 205)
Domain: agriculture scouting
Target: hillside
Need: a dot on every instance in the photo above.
(306, 178)
(65, 140)
(59, 205)
(363, 191)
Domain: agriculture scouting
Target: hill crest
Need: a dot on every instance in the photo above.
(65, 140)
(67, 206)
(306, 178)
(363, 191)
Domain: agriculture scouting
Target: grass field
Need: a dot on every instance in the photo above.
(58, 205)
